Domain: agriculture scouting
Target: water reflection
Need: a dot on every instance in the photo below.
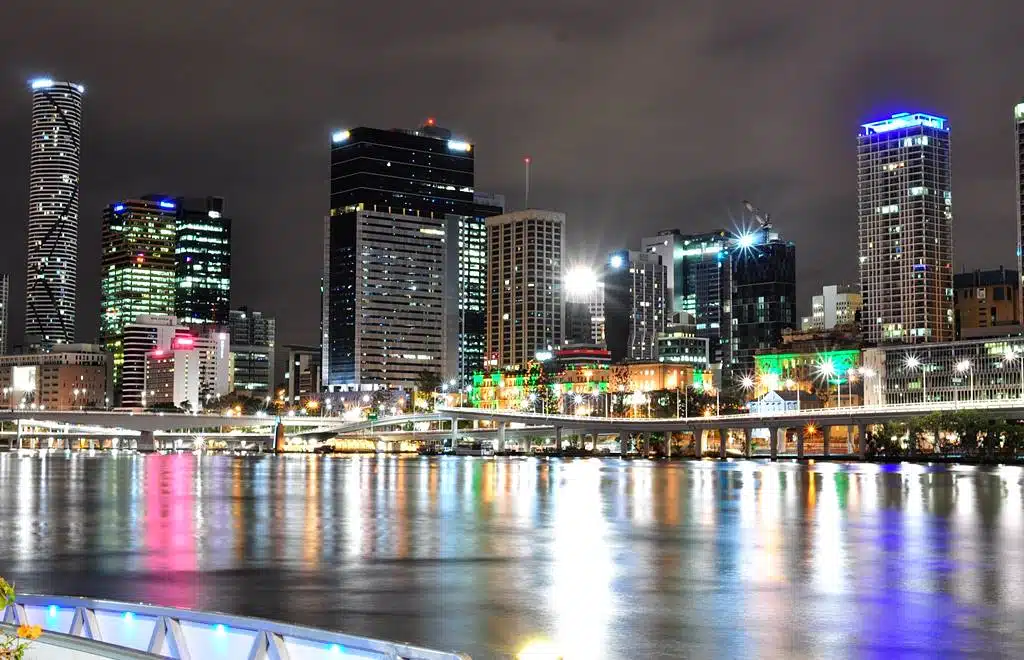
(600, 558)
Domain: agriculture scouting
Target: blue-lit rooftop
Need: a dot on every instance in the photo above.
(906, 120)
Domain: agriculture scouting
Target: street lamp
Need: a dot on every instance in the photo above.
(827, 368)
(867, 373)
(961, 367)
(1014, 356)
(913, 363)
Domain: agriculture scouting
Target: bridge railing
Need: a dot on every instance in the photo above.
(180, 633)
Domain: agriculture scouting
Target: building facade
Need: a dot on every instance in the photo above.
(302, 376)
(525, 304)
(1018, 120)
(763, 298)
(147, 333)
(963, 371)
(391, 255)
(137, 268)
(634, 292)
(68, 377)
(473, 283)
(253, 336)
(679, 343)
(838, 304)
(584, 316)
(189, 373)
(51, 278)
(202, 261)
(699, 277)
(5, 295)
(905, 229)
(986, 303)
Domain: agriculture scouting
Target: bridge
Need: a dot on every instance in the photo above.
(149, 431)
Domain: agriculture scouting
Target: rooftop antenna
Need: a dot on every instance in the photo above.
(763, 219)
(526, 201)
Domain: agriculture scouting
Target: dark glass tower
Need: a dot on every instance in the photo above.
(202, 262)
(424, 173)
(763, 297)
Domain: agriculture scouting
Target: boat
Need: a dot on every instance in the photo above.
(474, 448)
(88, 628)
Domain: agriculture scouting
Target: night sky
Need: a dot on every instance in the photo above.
(639, 116)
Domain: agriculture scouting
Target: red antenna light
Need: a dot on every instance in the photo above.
(527, 160)
(430, 121)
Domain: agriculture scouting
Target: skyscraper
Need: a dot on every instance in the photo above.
(634, 304)
(202, 294)
(137, 268)
(905, 227)
(763, 297)
(252, 348)
(525, 305)
(52, 251)
(391, 255)
(473, 282)
(1018, 120)
(5, 295)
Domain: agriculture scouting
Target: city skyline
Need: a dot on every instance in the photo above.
(272, 169)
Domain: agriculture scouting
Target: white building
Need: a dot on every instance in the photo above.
(837, 305)
(188, 373)
(5, 290)
(525, 302)
(148, 332)
(52, 253)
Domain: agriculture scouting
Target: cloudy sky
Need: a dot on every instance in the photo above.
(639, 116)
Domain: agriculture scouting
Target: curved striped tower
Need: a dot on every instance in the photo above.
(52, 267)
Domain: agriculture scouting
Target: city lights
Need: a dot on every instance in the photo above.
(580, 281)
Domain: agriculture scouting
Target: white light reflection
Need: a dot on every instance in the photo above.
(829, 553)
(582, 569)
(353, 507)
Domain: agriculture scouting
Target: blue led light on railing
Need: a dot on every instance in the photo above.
(128, 616)
(221, 630)
(336, 649)
(52, 610)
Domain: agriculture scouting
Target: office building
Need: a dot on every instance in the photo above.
(679, 343)
(763, 299)
(525, 304)
(986, 303)
(189, 373)
(137, 268)
(5, 295)
(67, 377)
(144, 335)
(962, 371)
(838, 304)
(473, 282)
(52, 250)
(202, 256)
(1018, 120)
(252, 350)
(391, 255)
(634, 304)
(303, 374)
(584, 307)
(698, 272)
(905, 229)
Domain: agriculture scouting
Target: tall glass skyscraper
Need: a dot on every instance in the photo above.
(52, 252)
(202, 256)
(905, 229)
(1018, 120)
(391, 255)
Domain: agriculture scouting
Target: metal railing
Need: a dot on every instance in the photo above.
(127, 628)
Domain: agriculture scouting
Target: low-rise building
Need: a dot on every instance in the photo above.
(986, 303)
(303, 374)
(679, 343)
(68, 377)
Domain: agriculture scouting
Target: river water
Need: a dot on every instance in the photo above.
(599, 558)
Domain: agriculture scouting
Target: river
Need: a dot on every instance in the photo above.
(598, 558)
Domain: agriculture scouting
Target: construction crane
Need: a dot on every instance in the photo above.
(763, 219)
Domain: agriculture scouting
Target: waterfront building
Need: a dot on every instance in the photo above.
(905, 229)
(302, 375)
(763, 298)
(986, 303)
(137, 276)
(1018, 119)
(838, 304)
(834, 375)
(66, 377)
(188, 373)
(145, 334)
(960, 371)
(472, 252)
(252, 352)
(584, 307)
(52, 251)
(5, 295)
(698, 281)
(202, 253)
(391, 255)
(634, 293)
(525, 304)
(680, 343)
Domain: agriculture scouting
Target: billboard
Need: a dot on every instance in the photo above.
(23, 379)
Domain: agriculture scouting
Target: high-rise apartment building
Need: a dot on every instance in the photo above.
(763, 297)
(905, 229)
(188, 373)
(140, 337)
(137, 268)
(525, 305)
(202, 254)
(634, 304)
(52, 250)
(391, 255)
(5, 295)
(252, 349)
(473, 283)
(1018, 120)
(698, 278)
(838, 304)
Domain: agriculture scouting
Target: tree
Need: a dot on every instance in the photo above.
(428, 381)
(245, 405)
